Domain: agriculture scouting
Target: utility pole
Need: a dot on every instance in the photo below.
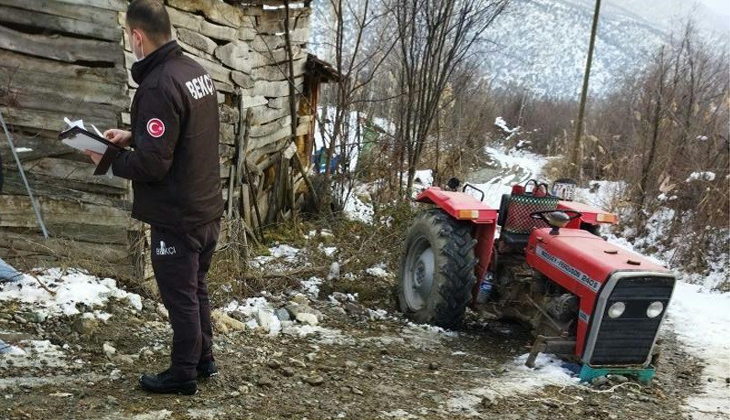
(575, 165)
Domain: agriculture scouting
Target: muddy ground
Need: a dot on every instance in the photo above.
(358, 366)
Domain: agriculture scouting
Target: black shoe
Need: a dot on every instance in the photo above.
(164, 383)
(207, 369)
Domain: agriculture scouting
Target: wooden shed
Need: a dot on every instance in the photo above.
(70, 58)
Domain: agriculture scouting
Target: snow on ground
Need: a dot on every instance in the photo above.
(33, 353)
(512, 167)
(279, 253)
(356, 207)
(518, 380)
(702, 322)
(69, 289)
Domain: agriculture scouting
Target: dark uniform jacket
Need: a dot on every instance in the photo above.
(174, 166)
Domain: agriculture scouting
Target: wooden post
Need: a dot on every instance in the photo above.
(576, 166)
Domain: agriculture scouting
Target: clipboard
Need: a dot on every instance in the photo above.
(83, 140)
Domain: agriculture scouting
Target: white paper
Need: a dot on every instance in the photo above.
(83, 142)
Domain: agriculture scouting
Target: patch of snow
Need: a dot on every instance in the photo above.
(378, 271)
(701, 176)
(702, 322)
(311, 286)
(70, 288)
(501, 123)
(399, 414)
(33, 353)
(327, 250)
(23, 149)
(357, 210)
(518, 380)
(424, 177)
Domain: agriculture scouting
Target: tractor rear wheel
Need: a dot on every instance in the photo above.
(437, 270)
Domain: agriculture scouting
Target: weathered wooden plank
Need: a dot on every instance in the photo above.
(198, 24)
(18, 212)
(267, 129)
(57, 102)
(18, 62)
(215, 10)
(60, 24)
(63, 248)
(86, 13)
(117, 5)
(50, 121)
(64, 190)
(73, 171)
(60, 48)
(40, 147)
(74, 90)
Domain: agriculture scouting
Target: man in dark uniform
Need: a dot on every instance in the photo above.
(175, 171)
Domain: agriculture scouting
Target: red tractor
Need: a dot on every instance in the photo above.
(586, 300)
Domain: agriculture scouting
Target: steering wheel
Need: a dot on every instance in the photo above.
(564, 216)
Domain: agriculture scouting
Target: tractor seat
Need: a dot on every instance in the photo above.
(515, 220)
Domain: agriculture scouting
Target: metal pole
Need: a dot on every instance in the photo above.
(25, 180)
(575, 165)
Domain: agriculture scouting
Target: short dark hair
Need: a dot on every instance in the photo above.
(151, 17)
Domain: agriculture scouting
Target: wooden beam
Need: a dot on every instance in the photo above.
(87, 13)
(61, 48)
(66, 25)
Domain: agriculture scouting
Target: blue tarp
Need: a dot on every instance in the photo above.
(8, 273)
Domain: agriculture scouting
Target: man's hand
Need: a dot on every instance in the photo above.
(121, 138)
(96, 157)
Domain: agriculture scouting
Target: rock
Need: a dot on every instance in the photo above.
(351, 364)
(268, 321)
(109, 350)
(265, 382)
(434, 366)
(297, 363)
(19, 319)
(354, 309)
(85, 326)
(618, 378)
(311, 356)
(110, 399)
(35, 317)
(356, 391)
(273, 364)
(162, 311)
(300, 299)
(124, 359)
(224, 323)
(334, 273)
(287, 371)
(307, 318)
(599, 381)
(283, 314)
(488, 401)
(315, 380)
(243, 389)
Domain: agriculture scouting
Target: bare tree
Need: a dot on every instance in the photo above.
(434, 38)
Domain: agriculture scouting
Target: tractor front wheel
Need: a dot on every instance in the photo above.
(437, 270)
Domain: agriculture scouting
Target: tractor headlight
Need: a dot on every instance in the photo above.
(616, 310)
(655, 309)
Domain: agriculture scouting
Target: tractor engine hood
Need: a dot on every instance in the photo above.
(580, 261)
(598, 273)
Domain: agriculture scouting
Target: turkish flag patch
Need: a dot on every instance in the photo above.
(155, 127)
